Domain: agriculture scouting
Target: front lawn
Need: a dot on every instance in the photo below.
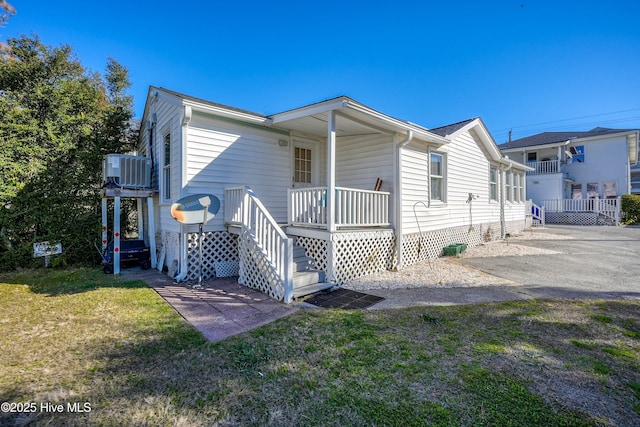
(83, 348)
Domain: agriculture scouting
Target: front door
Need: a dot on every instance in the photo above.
(304, 167)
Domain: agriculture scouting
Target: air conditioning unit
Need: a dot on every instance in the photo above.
(126, 171)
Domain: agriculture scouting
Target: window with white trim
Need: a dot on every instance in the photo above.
(508, 188)
(493, 183)
(166, 168)
(437, 187)
(521, 187)
(516, 188)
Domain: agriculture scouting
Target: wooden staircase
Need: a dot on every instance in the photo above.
(306, 278)
(267, 254)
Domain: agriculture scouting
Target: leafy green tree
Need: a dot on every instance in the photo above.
(57, 121)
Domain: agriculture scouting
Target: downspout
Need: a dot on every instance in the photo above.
(184, 249)
(503, 225)
(398, 201)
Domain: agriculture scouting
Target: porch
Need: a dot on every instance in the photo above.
(307, 208)
(583, 211)
(544, 167)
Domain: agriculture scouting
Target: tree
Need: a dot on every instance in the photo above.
(57, 121)
(6, 11)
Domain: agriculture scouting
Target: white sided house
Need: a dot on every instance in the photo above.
(322, 194)
(578, 177)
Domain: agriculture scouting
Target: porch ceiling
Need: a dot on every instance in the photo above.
(316, 124)
(352, 119)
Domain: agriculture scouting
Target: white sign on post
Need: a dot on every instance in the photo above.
(44, 249)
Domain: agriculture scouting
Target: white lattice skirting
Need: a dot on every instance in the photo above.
(219, 255)
(355, 254)
(429, 245)
(256, 270)
(574, 218)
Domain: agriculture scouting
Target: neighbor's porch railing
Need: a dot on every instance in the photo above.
(547, 166)
(536, 212)
(608, 207)
(354, 207)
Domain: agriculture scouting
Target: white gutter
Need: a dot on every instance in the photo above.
(398, 201)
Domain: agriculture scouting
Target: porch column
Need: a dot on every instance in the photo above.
(105, 236)
(331, 192)
(559, 157)
(152, 232)
(139, 205)
(116, 235)
(331, 171)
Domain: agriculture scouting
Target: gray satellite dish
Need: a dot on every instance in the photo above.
(196, 209)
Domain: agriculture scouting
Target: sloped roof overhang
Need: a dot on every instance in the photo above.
(353, 119)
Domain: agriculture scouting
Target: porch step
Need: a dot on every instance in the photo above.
(306, 278)
(311, 289)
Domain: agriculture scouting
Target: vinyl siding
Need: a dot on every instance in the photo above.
(220, 154)
(467, 171)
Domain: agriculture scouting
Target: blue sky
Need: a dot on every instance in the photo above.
(530, 66)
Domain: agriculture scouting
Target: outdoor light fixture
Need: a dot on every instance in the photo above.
(283, 142)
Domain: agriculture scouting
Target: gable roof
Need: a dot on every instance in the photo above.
(559, 138)
(452, 128)
(482, 135)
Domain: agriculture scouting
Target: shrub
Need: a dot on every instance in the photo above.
(630, 208)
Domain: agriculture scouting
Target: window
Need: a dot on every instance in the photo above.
(516, 187)
(493, 183)
(592, 190)
(302, 166)
(166, 169)
(508, 189)
(609, 190)
(532, 157)
(576, 191)
(521, 187)
(436, 177)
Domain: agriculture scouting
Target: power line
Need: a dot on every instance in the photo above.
(570, 119)
(500, 135)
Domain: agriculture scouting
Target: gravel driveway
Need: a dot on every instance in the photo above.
(557, 261)
(594, 260)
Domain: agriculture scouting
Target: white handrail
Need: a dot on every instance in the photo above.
(536, 212)
(276, 247)
(232, 205)
(542, 167)
(354, 207)
(607, 207)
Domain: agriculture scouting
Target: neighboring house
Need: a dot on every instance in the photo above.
(579, 171)
(321, 194)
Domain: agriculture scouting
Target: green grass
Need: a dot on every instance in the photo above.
(82, 336)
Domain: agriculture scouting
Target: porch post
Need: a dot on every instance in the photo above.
(105, 237)
(331, 171)
(140, 218)
(116, 235)
(559, 157)
(151, 229)
(331, 192)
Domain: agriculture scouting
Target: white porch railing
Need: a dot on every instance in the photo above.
(354, 207)
(547, 166)
(536, 212)
(607, 207)
(233, 198)
(265, 250)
